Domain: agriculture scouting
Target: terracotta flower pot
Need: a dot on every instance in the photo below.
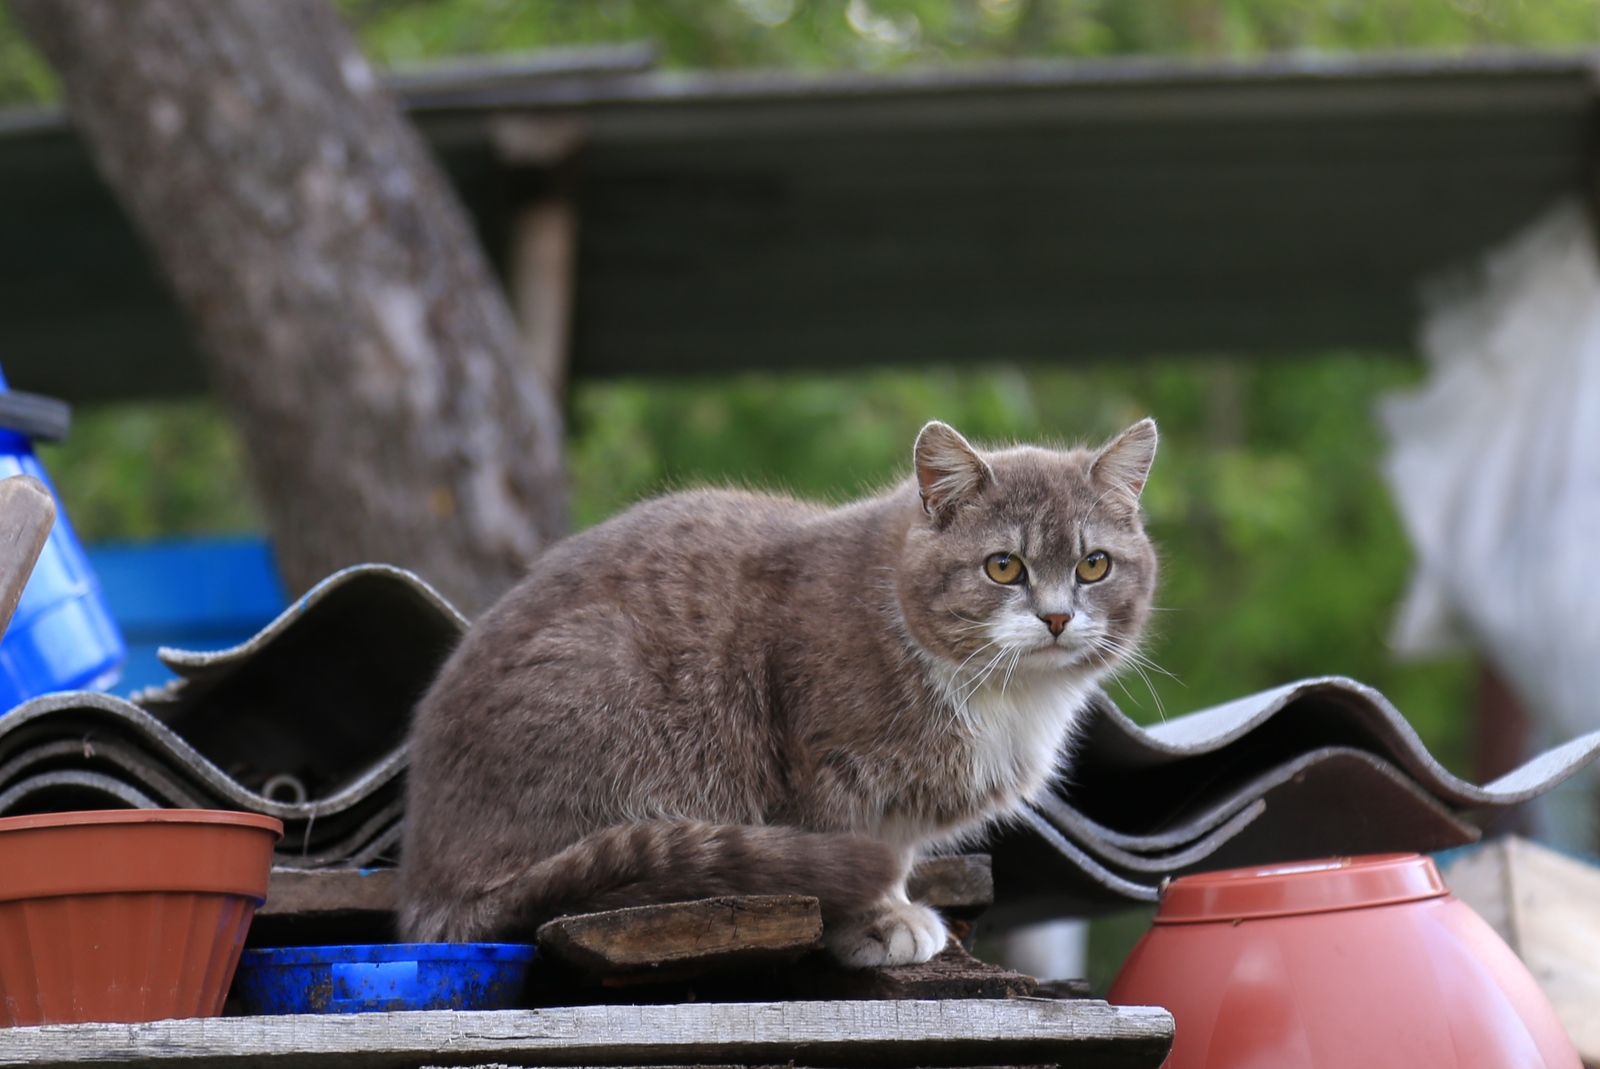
(1364, 961)
(126, 915)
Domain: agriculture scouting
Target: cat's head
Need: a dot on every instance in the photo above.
(1028, 560)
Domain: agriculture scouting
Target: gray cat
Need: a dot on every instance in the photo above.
(719, 692)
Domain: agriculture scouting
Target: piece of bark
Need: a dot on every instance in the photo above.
(353, 328)
(953, 973)
(27, 512)
(687, 938)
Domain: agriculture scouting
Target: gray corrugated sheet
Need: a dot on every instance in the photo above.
(323, 694)
(1319, 767)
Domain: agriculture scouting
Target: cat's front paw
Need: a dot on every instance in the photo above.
(891, 933)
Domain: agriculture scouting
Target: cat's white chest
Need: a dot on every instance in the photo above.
(1018, 731)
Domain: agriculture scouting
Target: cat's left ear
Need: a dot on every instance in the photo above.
(949, 471)
(1124, 462)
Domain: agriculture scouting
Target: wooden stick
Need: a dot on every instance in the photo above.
(27, 512)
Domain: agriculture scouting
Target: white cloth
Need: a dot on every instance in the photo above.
(1495, 467)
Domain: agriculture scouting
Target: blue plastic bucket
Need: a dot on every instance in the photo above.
(62, 636)
(383, 976)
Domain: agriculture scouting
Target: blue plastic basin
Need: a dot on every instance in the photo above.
(383, 976)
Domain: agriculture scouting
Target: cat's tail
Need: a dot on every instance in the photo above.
(664, 861)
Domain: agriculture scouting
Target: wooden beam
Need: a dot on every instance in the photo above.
(544, 254)
(1085, 1034)
(544, 235)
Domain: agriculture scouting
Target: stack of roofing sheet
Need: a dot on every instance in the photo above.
(307, 721)
(1319, 768)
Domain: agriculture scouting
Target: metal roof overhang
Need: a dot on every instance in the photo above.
(1058, 211)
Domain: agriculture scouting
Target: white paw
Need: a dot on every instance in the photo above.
(892, 933)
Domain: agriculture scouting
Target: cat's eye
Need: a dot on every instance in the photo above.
(1004, 568)
(1094, 567)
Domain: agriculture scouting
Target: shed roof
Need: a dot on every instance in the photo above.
(1040, 211)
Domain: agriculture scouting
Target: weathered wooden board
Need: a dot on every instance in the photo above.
(712, 933)
(329, 891)
(981, 1032)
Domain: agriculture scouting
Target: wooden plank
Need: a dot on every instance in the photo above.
(330, 891)
(709, 934)
(27, 512)
(984, 1032)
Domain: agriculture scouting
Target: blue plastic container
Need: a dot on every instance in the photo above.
(62, 636)
(383, 976)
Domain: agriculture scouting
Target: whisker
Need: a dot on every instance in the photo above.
(1016, 659)
(1134, 657)
(988, 670)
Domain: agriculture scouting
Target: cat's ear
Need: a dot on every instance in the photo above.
(1124, 462)
(949, 471)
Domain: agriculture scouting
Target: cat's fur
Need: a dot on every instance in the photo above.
(719, 692)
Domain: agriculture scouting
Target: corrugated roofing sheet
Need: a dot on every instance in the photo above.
(322, 696)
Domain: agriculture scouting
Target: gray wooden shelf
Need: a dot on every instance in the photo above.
(958, 1032)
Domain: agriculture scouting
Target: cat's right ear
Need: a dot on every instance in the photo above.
(1124, 462)
(949, 471)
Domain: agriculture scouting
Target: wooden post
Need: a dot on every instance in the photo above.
(544, 239)
(543, 277)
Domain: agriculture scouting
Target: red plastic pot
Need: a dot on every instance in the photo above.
(126, 915)
(1365, 961)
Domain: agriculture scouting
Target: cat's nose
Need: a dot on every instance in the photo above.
(1056, 621)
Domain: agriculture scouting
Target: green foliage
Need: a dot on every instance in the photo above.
(148, 470)
(876, 33)
(868, 33)
(24, 75)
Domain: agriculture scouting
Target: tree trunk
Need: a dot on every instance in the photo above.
(353, 328)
